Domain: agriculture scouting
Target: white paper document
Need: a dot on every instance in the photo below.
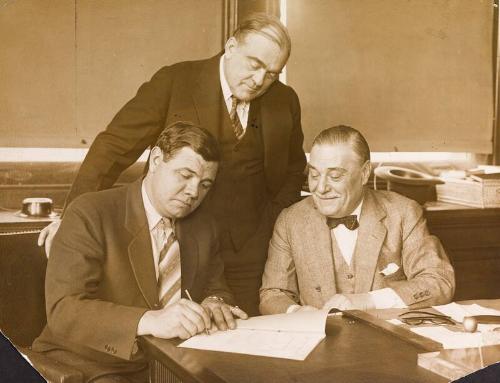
(456, 337)
(290, 336)
(457, 312)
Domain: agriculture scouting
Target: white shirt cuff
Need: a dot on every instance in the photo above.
(387, 299)
(292, 308)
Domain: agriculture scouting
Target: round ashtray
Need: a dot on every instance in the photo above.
(37, 208)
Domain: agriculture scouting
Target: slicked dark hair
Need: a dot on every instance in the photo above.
(267, 26)
(182, 134)
(343, 134)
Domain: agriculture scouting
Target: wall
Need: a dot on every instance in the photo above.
(66, 67)
(414, 75)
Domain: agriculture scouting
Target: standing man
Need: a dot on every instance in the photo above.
(350, 247)
(123, 258)
(254, 117)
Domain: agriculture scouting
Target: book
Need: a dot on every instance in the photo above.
(289, 336)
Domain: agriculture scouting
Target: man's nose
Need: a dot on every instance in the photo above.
(192, 188)
(322, 186)
(259, 76)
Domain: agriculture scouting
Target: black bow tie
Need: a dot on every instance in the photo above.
(349, 221)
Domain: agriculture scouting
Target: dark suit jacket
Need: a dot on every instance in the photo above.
(101, 274)
(191, 91)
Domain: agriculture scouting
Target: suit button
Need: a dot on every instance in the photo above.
(350, 276)
(318, 289)
(415, 296)
(427, 293)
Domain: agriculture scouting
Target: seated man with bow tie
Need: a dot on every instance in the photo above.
(124, 260)
(349, 247)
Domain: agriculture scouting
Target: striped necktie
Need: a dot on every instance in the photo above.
(169, 265)
(235, 120)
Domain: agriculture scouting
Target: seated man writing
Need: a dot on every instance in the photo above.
(123, 258)
(350, 247)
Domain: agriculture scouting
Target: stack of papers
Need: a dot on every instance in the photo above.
(456, 337)
(290, 336)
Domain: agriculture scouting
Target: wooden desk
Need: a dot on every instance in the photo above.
(353, 351)
(471, 237)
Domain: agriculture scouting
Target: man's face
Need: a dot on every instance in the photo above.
(336, 179)
(252, 65)
(177, 186)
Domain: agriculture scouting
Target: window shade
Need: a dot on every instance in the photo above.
(410, 75)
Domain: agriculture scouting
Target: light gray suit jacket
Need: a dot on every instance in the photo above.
(392, 229)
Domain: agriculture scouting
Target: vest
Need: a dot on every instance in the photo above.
(344, 273)
(240, 192)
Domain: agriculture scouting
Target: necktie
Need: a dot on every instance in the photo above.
(349, 221)
(235, 120)
(169, 267)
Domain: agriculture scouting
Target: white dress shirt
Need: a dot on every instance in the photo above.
(346, 241)
(243, 106)
(153, 218)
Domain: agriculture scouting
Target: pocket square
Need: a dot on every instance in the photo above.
(391, 268)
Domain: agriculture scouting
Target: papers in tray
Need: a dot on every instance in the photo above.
(455, 337)
(289, 336)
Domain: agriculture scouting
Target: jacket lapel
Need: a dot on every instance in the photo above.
(188, 246)
(371, 236)
(318, 250)
(276, 124)
(207, 95)
(140, 250)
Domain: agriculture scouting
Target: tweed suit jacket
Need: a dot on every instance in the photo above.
(392, 229)
(101, 274)
(191, 91)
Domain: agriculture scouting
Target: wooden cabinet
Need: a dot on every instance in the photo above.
(471, 238)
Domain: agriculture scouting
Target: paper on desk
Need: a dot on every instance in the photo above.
(290, 336)
(449, 339)
(457, 312)
(458, 338)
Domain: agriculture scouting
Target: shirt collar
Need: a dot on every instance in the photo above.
(226, 91)
(152, 215)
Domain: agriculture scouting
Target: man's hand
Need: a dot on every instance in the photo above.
(47, 235)
(222, 313)
(363, 301)
(183, 319)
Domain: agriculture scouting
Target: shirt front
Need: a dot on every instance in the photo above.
(154, 218)
(345, 238)
(243, 107)
(346, 241)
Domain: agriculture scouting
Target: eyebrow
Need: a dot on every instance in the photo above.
(329, 169)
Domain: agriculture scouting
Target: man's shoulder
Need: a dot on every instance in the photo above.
(99, 201)
(281, 91)
(393, 202)
(187, 66)
(299, 210)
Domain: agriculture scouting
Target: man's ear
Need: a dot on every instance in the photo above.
(231, 44)
(155, 157)
(366, 171)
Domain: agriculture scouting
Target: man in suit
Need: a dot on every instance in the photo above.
(350, 247)
(256, 120)
(123, 258)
